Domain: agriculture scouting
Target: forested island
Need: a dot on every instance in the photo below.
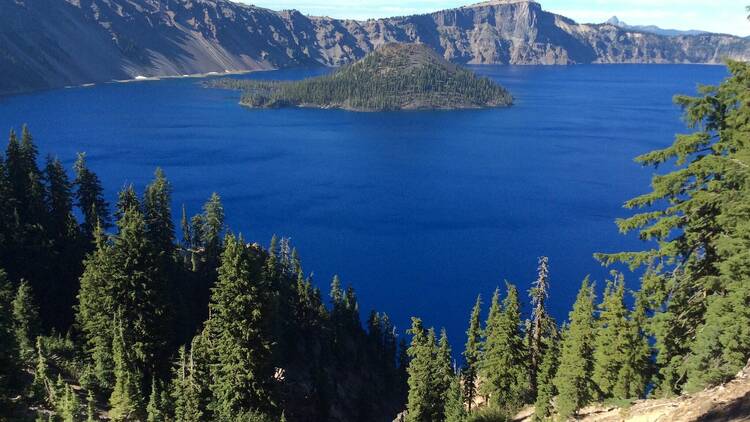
(119, 313)
(393, 77)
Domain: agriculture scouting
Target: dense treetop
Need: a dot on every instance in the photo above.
(394, 77)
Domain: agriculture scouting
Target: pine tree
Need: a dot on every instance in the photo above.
(154, 411)
(124, 402)
(503, 365)
(239, 335)
(573, 379)
(636, 369)
(138, 290)
(69, 406)
(610, 346)
(443, 375)
(158, 214)
(546, 390)
(211, 231)
(41, 386)
(472, 354)
(96, 305)
(90, 198)
(25, 320)
(542, 325)
(185, 392)
(420, 403)
(455, 411)
(66, 252)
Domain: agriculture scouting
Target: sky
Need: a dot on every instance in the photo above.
(725, 16)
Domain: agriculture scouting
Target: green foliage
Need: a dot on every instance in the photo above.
(546, 389)
(472, 354)
(427, 371)
(391, 78)
(503, 367)
(125, 400)
(542, 326)
(89, 196)
(239, 335)
(573, 379)
(455, 410)
(25, 320)
(488, 414)
(610, 346)
(696, 217)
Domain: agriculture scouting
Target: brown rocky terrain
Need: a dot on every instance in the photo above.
(725, 403)
(54, 43)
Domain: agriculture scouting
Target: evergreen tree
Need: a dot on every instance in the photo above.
(154, 410)
(124, 402)
(636, 369)
(573, 379)
(96, 305)
(239, 335)
(611, 342)
(420, 403)
(503, 366)
(443, 377)
(138, 288)
(211, 231)
(455, 411)
(472, 354)
(546, 390)
(90, 198)
(158, 214)
(26, 320)
(542, 325)
(695, 283)
(66, 253)
(41, 386)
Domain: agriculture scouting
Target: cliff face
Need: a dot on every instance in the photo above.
(53, 43)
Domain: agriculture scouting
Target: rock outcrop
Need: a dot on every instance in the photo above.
(54, 43)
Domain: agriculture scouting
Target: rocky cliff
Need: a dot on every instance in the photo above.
(54, 43)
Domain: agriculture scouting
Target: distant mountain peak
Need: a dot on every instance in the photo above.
(652, 29)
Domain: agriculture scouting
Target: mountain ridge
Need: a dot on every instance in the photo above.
(56, 43)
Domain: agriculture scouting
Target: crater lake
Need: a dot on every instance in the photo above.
(416, 210)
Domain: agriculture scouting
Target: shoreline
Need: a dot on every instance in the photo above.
(139, 78)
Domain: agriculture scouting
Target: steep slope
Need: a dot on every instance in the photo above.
(53, 43)
(393, 77)
(724, 403)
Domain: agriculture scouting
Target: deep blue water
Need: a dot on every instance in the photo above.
(419, 211)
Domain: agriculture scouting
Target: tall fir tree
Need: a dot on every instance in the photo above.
(542, 326)
(573, 379)
(89, 196)
(637, 368)
(611, 342)
(96, 305)
(239, 336)
(420, 403)
(472, 355)
(503, 367)
(455, 409)
(125, 400)
(546, 390)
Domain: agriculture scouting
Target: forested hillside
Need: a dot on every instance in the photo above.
(394, 77)
(107, 313)
(111, 312)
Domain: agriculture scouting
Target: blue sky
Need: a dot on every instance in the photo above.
(712, 15)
